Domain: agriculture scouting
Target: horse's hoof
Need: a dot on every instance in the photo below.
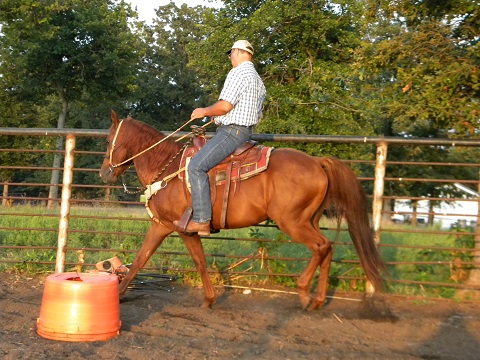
(305, 302)
(206, 305)
(122, 291)
(315, 305)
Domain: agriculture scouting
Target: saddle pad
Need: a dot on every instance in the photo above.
(243, 167)
(244, 170)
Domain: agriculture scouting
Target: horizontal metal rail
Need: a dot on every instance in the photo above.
(317, 139)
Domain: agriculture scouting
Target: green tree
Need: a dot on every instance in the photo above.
(59, 51)
(418, 67)
(167, 88)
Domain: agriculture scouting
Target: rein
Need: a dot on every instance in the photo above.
(112, 166)
(165, 180)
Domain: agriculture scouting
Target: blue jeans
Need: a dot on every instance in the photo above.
(223, 144)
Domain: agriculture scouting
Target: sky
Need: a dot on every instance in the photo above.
(146, 8)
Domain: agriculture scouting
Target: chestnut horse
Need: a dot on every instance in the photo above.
(293, 192)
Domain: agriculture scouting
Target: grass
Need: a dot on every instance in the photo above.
(428, 258)
(122, 233)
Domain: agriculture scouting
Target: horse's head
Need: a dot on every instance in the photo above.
(116, 158)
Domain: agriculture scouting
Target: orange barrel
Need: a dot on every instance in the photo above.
(80, 307)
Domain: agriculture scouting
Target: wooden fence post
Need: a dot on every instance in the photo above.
(378, 188)
(65, 203)
(5, 194)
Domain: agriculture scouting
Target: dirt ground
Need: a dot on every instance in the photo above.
(164, 324)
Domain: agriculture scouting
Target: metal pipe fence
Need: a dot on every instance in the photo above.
(92, 221)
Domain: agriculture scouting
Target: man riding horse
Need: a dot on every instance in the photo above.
(237, 111)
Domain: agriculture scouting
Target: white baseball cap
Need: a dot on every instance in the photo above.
(243, 45)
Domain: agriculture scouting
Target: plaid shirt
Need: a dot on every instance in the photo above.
(243, 89)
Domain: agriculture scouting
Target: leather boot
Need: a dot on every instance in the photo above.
(193, 227)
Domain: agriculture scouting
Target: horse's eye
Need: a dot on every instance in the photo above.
(107, 142)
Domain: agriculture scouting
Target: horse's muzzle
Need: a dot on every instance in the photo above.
(107, 174)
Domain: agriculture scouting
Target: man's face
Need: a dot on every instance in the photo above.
(234, 57)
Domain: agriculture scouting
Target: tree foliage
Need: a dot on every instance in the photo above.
(67, 49)
(167, 88)
(418, 67)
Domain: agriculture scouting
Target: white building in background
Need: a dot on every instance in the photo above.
(447, 213)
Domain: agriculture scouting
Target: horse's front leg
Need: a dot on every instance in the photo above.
(155, 236)
(195, 248)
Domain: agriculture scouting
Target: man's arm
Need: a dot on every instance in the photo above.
(221, 107)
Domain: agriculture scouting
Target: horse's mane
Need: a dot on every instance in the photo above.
(145, 135)
(144, 132)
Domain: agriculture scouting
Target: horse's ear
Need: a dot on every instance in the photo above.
(114, 118)
(129, 117)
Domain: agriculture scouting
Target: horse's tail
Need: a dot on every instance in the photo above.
(348, 199)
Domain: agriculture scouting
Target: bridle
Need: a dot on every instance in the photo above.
(112, 167)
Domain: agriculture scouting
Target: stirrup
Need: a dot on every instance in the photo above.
(185, 219)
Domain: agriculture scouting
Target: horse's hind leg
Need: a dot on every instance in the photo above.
(322, 286)
(155, 236)
(195, 248)
(322, 252)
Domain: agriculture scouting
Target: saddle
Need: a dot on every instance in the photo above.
(248, 160)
